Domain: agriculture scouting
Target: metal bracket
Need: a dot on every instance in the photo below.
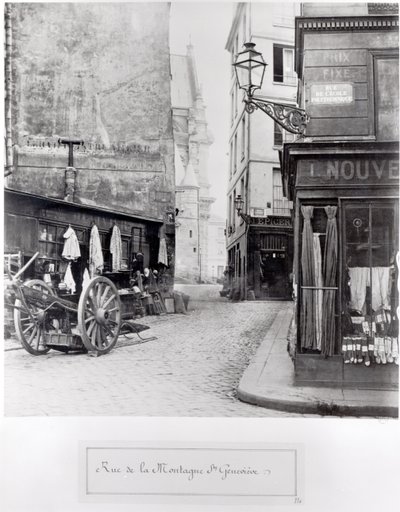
(245, 217)
(292, 119)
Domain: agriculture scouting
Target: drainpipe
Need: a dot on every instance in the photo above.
(8, 90)
(198, 233)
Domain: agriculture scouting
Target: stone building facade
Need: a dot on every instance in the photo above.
(97, 74)
(216, 248)
(259, 248)
(193, 140)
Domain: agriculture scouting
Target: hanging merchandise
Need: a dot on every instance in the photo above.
(380, 287)
(116, 248)
(71, 249)
(307, 312)
(365, 353)
(69, 280)
(388, 349)
(85, 279)
(318, 284)
(96, 260)
(359, 280)
(329, 273)
(162, 253)
(395, 350)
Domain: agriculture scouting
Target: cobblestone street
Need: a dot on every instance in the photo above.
(191, 369)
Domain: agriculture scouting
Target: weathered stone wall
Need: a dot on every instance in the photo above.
(99, 73)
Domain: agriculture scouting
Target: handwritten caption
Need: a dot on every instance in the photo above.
(208, 471)
(223, 471)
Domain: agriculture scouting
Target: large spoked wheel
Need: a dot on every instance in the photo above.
(99, 315)
(29, 326)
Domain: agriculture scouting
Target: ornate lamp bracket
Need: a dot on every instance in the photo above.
(245, 217)
(292, 119)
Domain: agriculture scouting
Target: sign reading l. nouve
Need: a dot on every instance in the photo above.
(345, 170)
(332, 94)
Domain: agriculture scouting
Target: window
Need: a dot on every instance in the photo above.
(125, 253)
(243, 137)
(284, 65)
(235, 153)
(231, 160)
(51, 243)
(234, 52)
(190, 233)
(105, 238)
(281, 204)
(369, 291)
(236, 98)
(137, 235)
(386, 76)
(278, 135)
(234, 212)
(242, 193)
(230, 214)
(194, 249)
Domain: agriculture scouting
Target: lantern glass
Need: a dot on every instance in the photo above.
(250, 68)
(239, 203)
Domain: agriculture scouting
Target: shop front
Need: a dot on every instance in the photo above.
(36, 224)
(270, 257)
(346, 262)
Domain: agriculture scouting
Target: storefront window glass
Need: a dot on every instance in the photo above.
(369, 322)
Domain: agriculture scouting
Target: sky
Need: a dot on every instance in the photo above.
(206, 25)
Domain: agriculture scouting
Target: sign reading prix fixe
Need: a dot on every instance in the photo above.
(332, 94)
(348, 171)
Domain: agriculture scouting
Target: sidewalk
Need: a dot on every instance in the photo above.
(269, 382)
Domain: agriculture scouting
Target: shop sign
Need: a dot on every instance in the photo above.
(272, 221)
(332, 94)
(346, 171)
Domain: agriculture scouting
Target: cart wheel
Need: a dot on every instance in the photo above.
(99, 315)
(30, 330)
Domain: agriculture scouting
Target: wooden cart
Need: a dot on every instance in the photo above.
(45, 321)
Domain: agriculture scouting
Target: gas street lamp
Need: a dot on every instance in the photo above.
(250, 68)
(239, 204)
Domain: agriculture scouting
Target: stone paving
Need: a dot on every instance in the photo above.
(192, 369)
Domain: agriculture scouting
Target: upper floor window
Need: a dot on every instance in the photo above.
(280, 203)
(235, 153)
(243, 148)
(278, 135)
(284, 65)
(231, 160)
(386, 78)
(234, 212)
(234, 52)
